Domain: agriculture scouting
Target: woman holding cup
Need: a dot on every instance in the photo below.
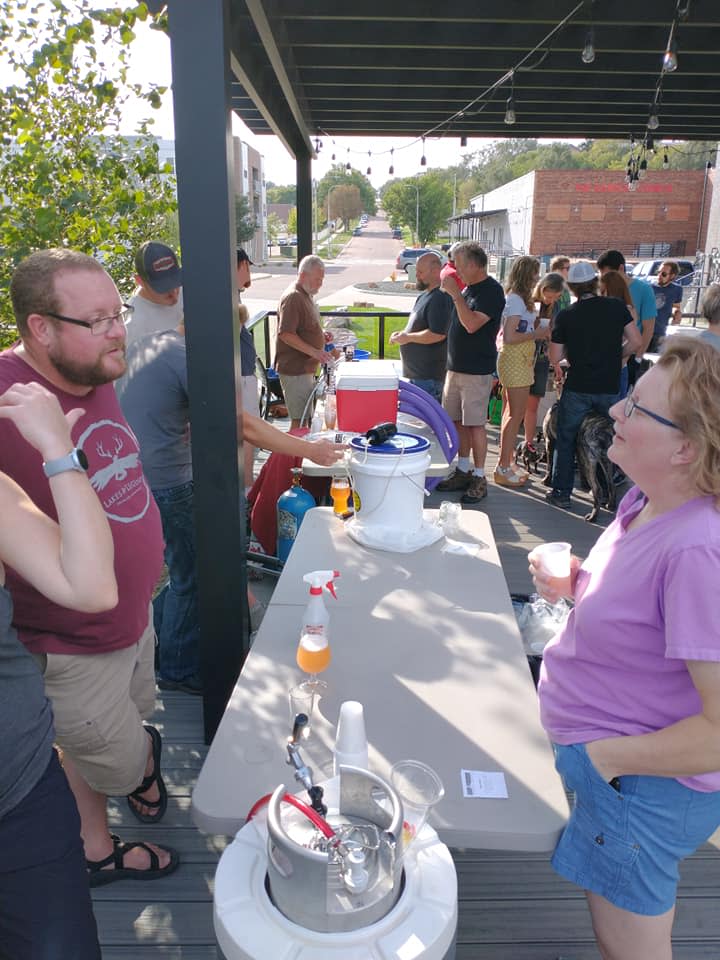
(630, 687)
(516, 362)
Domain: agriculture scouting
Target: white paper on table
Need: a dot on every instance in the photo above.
(482, 783)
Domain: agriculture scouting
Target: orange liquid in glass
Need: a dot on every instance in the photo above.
(312, 658)
(339, 492)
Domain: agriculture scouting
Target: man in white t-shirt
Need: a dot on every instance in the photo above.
(157, 303)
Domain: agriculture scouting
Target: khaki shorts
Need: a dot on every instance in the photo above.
(466, 397)
(99, 701)
(296, 390)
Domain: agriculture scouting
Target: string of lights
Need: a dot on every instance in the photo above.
(483, 99)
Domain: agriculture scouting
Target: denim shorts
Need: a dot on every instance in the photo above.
(626, 842)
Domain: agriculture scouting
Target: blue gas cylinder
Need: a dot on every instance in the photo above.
(292, 506)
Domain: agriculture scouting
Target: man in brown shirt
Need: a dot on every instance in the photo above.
(300, 340)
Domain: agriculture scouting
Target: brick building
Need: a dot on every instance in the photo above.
(582, 212)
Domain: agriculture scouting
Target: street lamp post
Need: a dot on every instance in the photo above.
(417, 212)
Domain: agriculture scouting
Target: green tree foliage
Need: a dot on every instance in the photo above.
(345, 203)
(339, 176)
(67, 178)
(292, 221)
(245, 222)
(280, 194)
(427, 199)
(273, 228)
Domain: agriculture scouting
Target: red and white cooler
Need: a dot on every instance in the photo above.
(367, 393)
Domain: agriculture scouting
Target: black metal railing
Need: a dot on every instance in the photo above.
(381, 315)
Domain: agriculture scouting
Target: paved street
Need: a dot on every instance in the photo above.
(363, 259)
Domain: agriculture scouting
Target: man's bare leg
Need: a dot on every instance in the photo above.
(94, 828)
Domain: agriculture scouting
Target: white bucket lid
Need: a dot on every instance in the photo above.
(401, 443)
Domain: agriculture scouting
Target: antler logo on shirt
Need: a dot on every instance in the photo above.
(119, 467)
(115, 470)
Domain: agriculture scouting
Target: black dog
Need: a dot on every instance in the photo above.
(591, 446)
(530, 454)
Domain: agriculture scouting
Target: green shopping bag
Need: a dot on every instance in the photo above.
(495, 407)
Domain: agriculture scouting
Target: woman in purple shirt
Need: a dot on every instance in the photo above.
(630, 688)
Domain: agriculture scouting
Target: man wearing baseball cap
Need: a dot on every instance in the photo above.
(589, 335)
(157, 302)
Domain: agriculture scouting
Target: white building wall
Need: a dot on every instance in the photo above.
(508, 231)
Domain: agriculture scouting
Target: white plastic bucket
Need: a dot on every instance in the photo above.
(389, 482)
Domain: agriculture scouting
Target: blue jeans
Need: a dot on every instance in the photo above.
(175, 609)
(571, 411)
(433, 387)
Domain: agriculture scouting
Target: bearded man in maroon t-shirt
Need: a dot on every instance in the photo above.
(98, 668)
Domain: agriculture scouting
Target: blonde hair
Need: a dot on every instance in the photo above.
(694, 399)
(243, 313)
(521, 278)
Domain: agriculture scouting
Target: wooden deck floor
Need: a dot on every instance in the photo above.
(512, 906)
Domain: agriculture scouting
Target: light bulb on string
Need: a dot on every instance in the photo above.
(348, 166)
(333, 158)
(391, 171)
(510, 110)
(463, 141)
(369, 169)
(653, 119)
(588, 51)
(666, 161)
(670, 59)
(423, 160)
(642, 173)
(683, 9)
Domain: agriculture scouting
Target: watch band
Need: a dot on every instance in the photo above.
(75, 460)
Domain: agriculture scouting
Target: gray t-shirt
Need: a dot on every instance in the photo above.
(25, 716)
(153, 395)
(427, 361)
(149, 317)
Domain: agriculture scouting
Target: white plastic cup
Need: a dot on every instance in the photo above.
(554, 559)
(419, 788)
(351, 746)
(301, 699)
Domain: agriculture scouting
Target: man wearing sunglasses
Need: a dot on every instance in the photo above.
(668, 300)
(98, 668)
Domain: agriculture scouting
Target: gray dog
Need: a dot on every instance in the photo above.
(591, 446)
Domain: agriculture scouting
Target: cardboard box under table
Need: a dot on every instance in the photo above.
(367, 393)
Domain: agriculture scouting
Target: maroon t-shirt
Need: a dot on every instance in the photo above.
(116, 474)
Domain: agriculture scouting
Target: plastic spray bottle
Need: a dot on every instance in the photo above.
(313, 652)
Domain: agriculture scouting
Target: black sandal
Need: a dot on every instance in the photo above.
(98, 877)
(155, 777)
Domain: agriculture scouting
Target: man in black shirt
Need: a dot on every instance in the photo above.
(472, 356)
(423, 346)
(590, 335)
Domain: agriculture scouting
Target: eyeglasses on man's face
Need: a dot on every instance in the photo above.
(630, 405)
(101, 326)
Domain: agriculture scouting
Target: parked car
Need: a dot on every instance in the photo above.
(410, 254)
(649, 269)
(282, 240)
(292, 240)
(397, 233)
(357, 232)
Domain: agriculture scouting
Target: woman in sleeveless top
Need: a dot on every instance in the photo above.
(45, 907)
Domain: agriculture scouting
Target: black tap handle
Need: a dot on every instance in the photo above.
(301, 721)
(316, 795)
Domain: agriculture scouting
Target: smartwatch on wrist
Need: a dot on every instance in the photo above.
(75, 460)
